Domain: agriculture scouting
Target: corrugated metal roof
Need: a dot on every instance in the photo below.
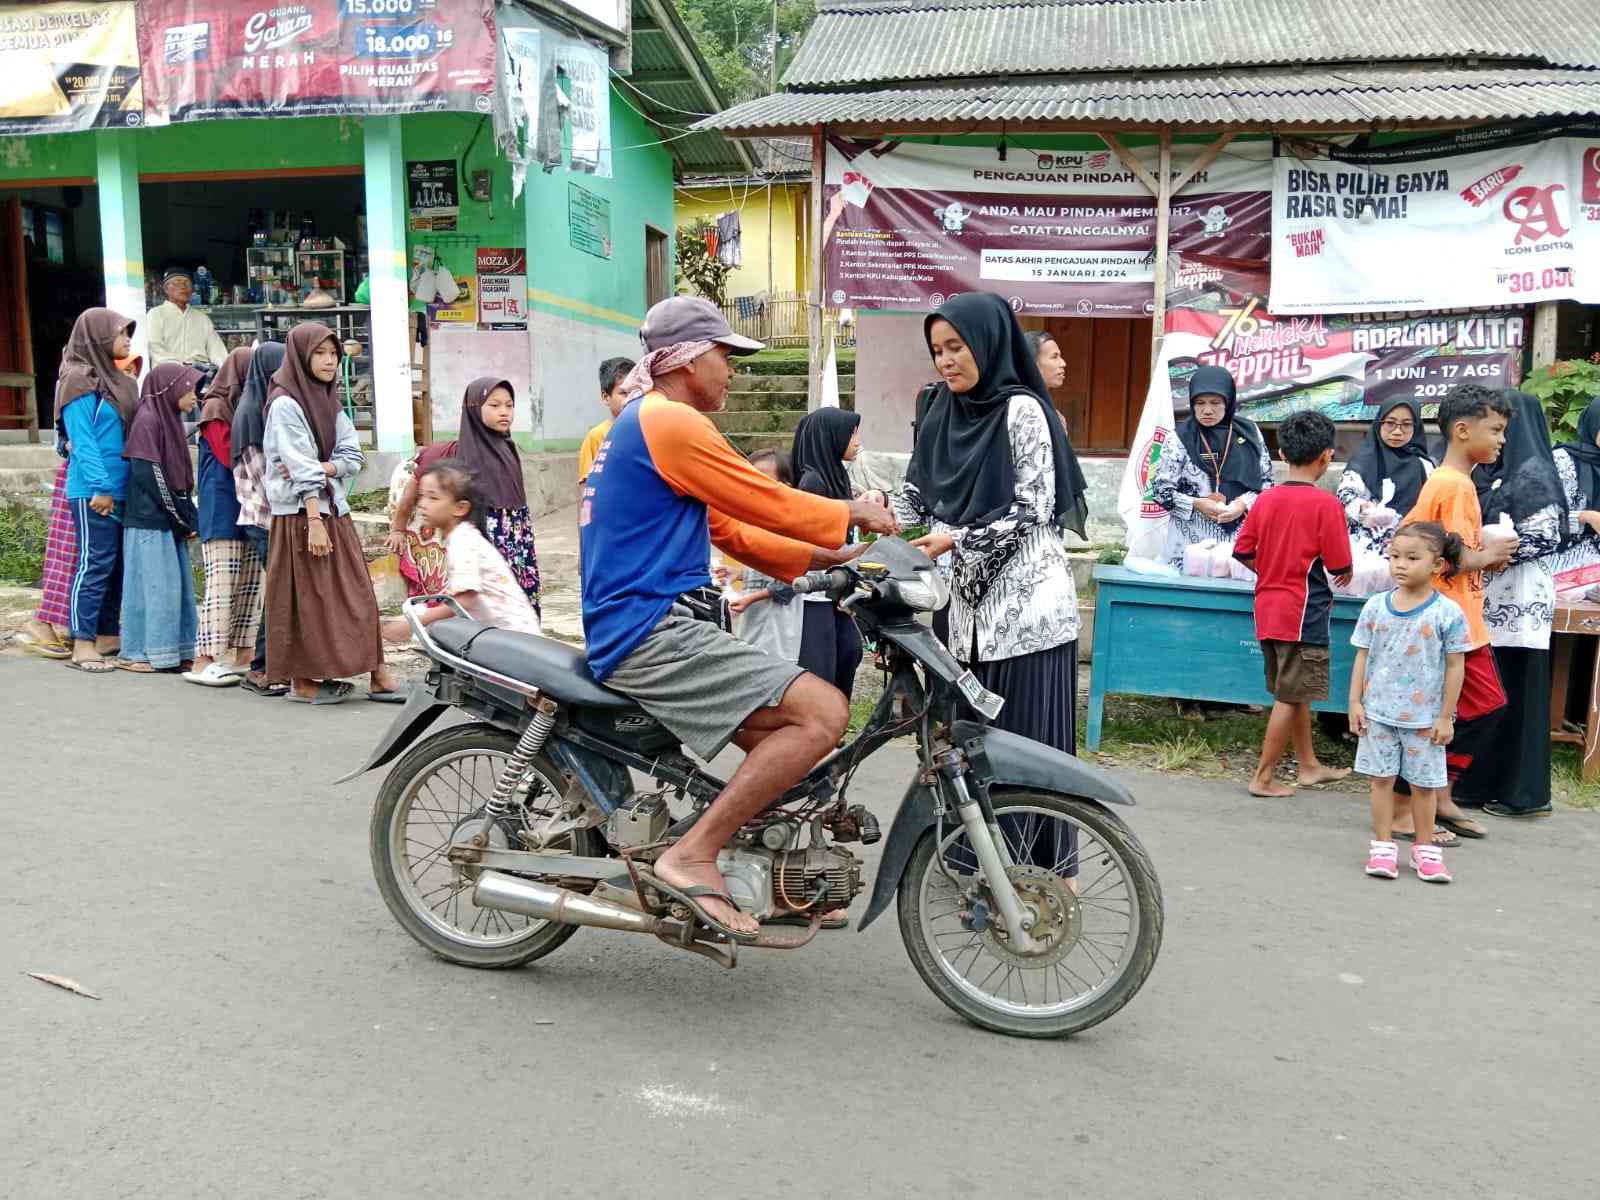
(1280, 98)
(865, 41)
(673, 87)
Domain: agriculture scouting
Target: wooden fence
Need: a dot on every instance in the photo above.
(778, 320)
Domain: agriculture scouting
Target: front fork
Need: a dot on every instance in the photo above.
(989, 845)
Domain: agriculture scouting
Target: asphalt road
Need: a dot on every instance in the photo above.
(266, 1030)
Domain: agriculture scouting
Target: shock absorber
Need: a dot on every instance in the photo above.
(528, 746)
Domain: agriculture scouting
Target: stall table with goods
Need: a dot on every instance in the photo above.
(352, 324)
(1193, 638)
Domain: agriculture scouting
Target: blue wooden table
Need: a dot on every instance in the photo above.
(1192, 639)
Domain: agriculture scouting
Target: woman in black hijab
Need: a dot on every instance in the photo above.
(995, 479)
(1395, 452)
(826, 441)
(1578, 464)
(1524, 484)
(1211, 474)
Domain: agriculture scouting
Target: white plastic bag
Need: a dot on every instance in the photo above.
(446, 284)
(1197, 559)
(1237, 570)
(1498, 536)
(1221, 559)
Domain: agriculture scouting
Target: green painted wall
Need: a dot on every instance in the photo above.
(272, 143)
(48, 156)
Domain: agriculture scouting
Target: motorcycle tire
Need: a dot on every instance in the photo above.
(540, 938)
(1117, 842)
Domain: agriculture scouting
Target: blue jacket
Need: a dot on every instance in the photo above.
(95, 467)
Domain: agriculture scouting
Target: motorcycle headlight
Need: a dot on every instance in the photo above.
(928, 592)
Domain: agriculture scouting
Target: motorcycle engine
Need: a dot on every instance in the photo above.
(766, 883)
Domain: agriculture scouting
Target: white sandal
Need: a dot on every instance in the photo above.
(214, 675)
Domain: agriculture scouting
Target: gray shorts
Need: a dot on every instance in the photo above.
(700, 682)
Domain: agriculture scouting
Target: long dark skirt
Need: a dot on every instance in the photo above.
(1515, 770)
(321, 613)
(1041, 695)
(830, 645)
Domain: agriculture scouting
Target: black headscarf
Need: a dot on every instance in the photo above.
(1524, 478)
(962, 461)
(1375, 461)
(1229, 452)
(820, 441)
(1585, 454)
(249, 414)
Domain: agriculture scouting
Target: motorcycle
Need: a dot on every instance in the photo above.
(1024, 903)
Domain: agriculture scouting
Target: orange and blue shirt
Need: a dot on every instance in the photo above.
(665, 486)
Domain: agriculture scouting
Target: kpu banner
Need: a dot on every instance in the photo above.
(68, 67)
(1058, 233)
(207, 58)
(1513, 221)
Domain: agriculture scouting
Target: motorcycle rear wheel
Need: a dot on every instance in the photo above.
(445, 780)
(960, 963)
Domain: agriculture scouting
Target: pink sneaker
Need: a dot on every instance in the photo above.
(1428, 862)
(1382, 861)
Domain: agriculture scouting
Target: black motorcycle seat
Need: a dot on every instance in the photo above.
(556, 669)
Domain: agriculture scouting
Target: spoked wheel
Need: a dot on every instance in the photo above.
(438, 788)
(1094, 900)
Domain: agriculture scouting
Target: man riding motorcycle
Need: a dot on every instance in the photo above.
(664, 488)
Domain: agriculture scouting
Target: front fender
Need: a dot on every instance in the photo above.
(1006, 760)
(422, 710)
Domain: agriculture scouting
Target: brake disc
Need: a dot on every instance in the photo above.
(1057, 918)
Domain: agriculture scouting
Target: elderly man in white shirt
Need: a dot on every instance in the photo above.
(178, 333)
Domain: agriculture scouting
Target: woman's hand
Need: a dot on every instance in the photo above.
(935, 544)
(395, 543)
(1230, 513)
(317, 539)
(1208, 508)
(330, 469)
(1587, 517)
(876, 496)
(103, 505)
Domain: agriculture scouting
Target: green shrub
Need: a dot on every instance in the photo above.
(1565, 389)
(22, 534)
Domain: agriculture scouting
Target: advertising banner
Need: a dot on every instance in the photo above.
(206, 58)
(1508, 221)
(1341, 366)
(432, 199)
(1059, 233)
(551, 86)
(68, 67)
(502, 287)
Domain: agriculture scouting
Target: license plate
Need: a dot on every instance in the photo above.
(980, 697)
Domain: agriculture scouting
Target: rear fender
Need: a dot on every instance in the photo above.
(422, 710)
(1000, 759)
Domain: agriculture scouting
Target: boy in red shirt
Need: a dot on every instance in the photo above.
(1473, 419)
(1293, 539)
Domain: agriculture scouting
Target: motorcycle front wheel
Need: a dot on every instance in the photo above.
(1096, 907)
(439, 787)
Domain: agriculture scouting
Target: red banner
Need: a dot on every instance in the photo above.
(209, 58)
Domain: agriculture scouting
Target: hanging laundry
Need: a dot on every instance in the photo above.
(750, 307)
(728, 237)
(711, 241)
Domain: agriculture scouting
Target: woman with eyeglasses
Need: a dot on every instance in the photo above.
(1395, 452)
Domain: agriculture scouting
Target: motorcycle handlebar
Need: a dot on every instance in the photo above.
(823, 581)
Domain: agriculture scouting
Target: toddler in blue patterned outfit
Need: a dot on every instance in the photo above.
(1410, 647)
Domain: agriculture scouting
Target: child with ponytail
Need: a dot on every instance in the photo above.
(1410, 644)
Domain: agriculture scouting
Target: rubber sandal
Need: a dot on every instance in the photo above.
(92, 666)
(1459, 826)
(327, 693)
(687, 898)
(269, 690)
(51, 650)
(803, 919)
(1496, 809)
(1450, 839)
(132, 667)
(214, 676)
(393, 696)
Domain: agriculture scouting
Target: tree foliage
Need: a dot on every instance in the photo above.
(735, 36)
(697, 266)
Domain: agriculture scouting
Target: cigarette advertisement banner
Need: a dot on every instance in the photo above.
(209, 58)
(1060, 233)
(1511, 223)
(1342, 366)
(502, 287)
(68, 67)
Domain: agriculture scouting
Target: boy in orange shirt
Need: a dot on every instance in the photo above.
(1473, 419)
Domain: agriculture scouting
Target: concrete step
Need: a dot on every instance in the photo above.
(749, 443)
(766, 401)
(41, 457)
(786, 383)
(758, 422)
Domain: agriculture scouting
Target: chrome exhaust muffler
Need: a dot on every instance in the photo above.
(543, 902)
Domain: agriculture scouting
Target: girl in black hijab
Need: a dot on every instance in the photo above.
(994, 477)
(249, 429)
(826, 441)
(1519, 609)
(1208, 478)
(1396, 451)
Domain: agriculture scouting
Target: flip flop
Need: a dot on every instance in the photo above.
(804, 920)
(393, 696)
(1460, 826)
(269, 690)
(688, 897)
(55, 650)
(92, 666)
(1450, 839)
(328, 692)
(132, 667)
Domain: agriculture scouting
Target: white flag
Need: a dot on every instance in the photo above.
(830, 379)
(1145, 519)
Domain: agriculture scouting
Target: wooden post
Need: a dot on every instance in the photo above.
(1544, 333)
(1158, 311)
(814, 324)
